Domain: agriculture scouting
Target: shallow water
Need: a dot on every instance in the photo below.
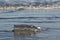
(48, 20)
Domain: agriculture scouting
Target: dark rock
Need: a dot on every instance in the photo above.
(25, 29)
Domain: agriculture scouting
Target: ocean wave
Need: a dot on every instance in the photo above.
(32, 21)
(25, 17)
(48, 28)
(42, 22)
(17, 17)
(11, 11)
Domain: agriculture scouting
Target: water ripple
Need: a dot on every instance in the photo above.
(25, 17)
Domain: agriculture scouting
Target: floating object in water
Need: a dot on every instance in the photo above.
(26, 29)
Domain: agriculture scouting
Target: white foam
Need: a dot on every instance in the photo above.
(39, 27)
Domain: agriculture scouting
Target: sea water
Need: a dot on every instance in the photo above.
(47, 19)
